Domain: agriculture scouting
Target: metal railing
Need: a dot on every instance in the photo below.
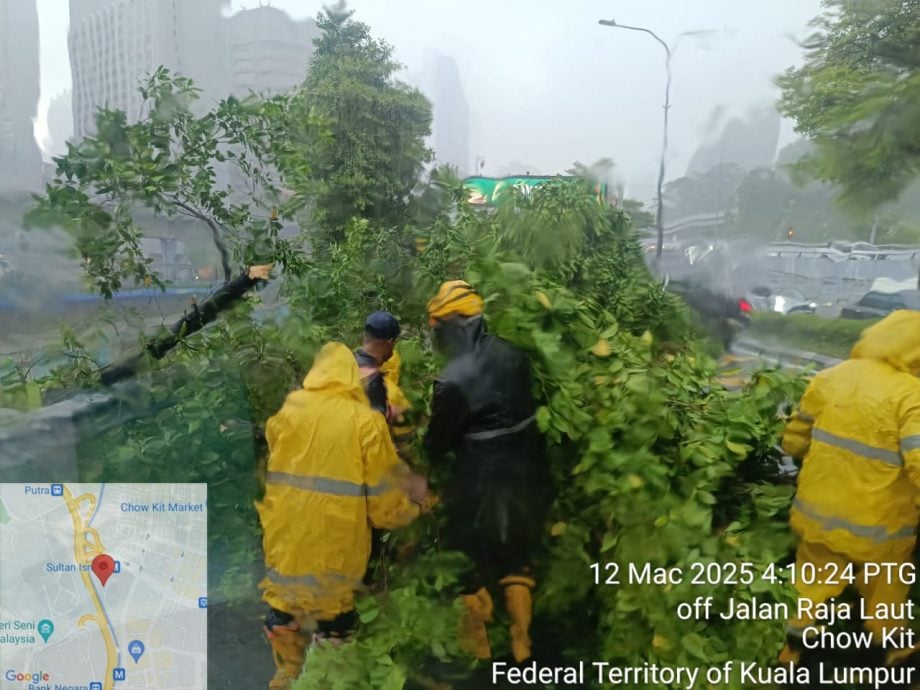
(786, 358)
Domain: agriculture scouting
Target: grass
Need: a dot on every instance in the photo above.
(830, 337)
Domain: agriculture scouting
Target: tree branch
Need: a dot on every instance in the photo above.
(201, 315)
(215, 234)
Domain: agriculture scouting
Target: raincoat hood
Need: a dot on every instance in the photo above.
(457, 335)
(894, 340)
(335, 372)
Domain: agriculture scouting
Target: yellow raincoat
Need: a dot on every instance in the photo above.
(858, 430)
(333, 473)
(402, 429)
(390, 370)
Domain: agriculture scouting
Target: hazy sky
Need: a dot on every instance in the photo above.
(549, 86)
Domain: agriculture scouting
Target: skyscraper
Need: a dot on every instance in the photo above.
(115, 44)
(20, 160)
(749, 142)
(440, 81)
(60, 124)
(269, 51)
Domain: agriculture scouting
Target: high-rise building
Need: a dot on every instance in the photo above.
(115, 44)
(20, 160)
(269, 51)
(60, 125)
(749, 142)
(440, 81)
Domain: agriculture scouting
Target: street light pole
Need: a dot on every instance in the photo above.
(667, 105)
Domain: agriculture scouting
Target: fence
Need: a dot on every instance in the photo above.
(785, 358)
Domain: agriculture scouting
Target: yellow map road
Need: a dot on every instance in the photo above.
(87, 546)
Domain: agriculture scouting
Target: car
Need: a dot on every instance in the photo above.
(876, 304)
(780, 300)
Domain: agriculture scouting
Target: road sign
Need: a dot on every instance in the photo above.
(490, 191)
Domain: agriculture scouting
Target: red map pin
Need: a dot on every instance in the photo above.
(103, 567)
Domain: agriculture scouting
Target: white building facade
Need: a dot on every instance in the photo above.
(269, 52)
(115, 44)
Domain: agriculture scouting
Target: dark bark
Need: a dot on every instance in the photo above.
(199, 316)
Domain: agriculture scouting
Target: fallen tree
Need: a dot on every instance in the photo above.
(655, 465)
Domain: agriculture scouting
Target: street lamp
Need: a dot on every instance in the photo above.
(667, 104)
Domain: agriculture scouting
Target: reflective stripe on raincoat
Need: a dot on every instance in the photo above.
(333, 473)
(858, 430)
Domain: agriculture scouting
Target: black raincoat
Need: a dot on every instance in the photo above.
(499, 484)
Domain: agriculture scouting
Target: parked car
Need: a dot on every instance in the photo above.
(780, 300)
(875, 304)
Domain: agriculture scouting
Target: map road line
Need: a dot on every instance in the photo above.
(80, 548)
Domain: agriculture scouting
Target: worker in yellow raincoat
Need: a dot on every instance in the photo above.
(333, 474)
(858, 430)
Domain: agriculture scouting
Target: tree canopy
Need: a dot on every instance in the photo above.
(171, 163)
(857, 97)
(368, 160)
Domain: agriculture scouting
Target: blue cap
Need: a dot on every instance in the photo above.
(382, 325)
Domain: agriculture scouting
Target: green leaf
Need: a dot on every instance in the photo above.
(738, 449)
(695, 645)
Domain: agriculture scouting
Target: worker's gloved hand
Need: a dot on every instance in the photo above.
(272, 631)
(396, 414)
(417, 488)
(431, 500)
(261, 272)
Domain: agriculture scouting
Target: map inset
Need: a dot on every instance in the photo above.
(103, 586)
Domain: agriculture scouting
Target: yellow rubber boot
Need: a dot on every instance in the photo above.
(519, 603)
(789, 656)
(289, 649)
(474, 638)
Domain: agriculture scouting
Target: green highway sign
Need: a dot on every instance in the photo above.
(488, 191)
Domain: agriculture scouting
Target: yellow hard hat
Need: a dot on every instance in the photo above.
(455, 297)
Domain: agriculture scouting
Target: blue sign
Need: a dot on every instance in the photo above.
(117, 566)
(95, 685)
(118, 674)
(202, 602)
(57, 489)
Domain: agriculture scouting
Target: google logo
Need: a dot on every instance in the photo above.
(32, 677)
